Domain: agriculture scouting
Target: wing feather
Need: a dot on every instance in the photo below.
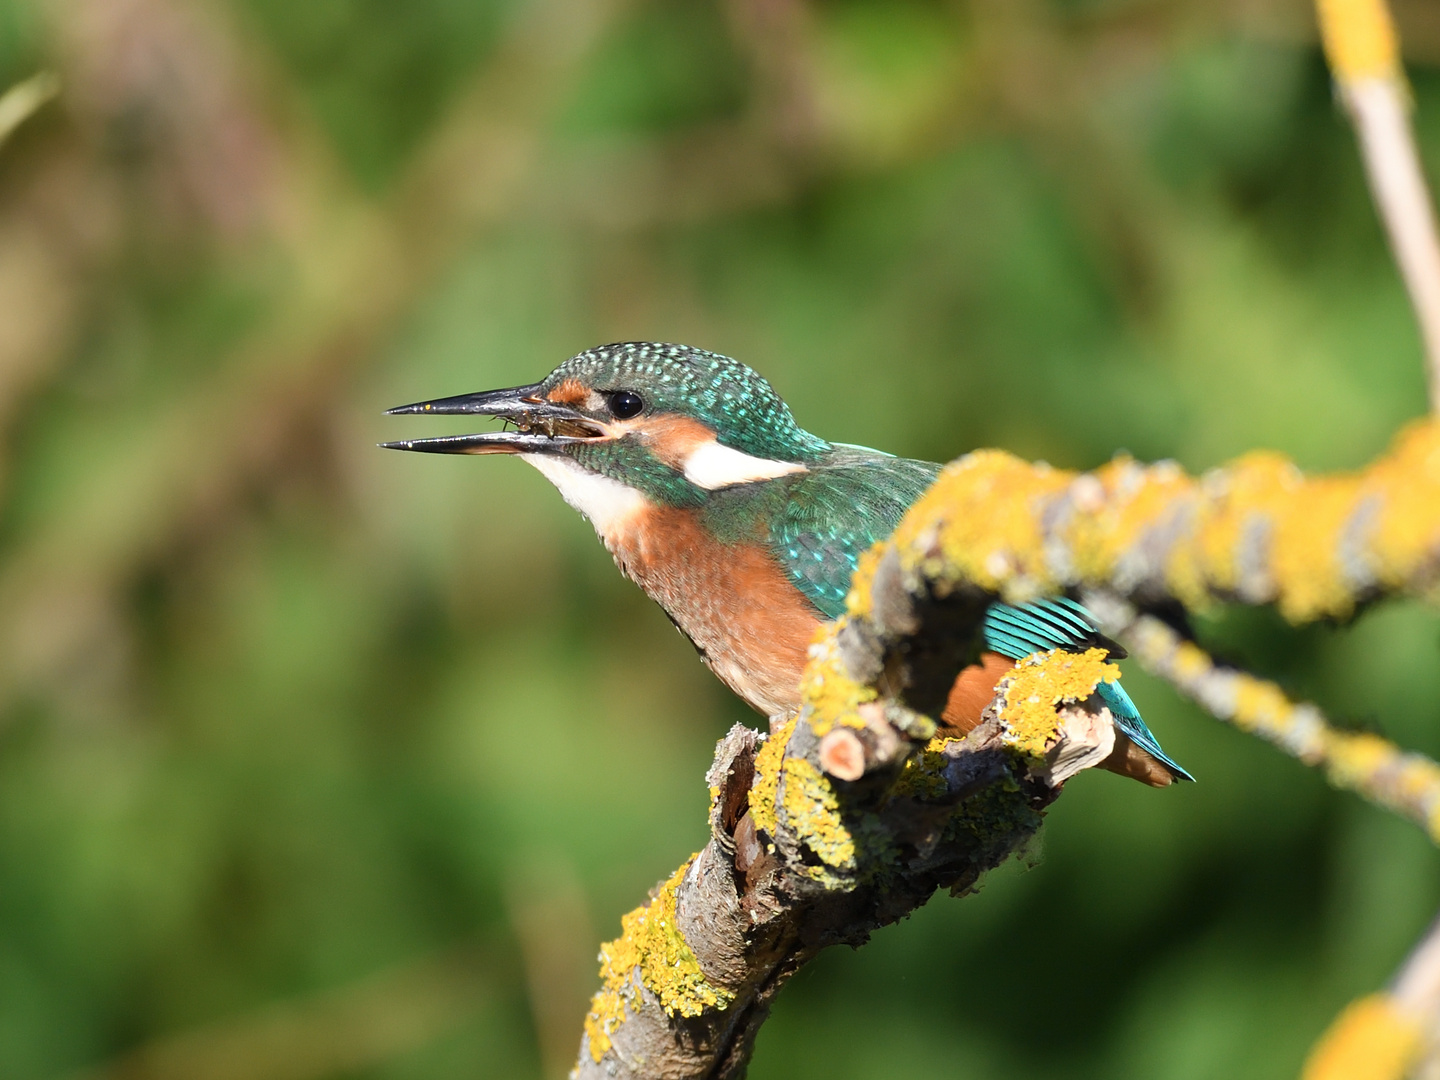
(834, 513)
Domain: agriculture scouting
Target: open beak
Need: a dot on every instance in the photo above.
(540, 425)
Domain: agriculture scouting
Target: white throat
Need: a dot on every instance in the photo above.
(607, 503)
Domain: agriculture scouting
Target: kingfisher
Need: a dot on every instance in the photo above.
(743, 526)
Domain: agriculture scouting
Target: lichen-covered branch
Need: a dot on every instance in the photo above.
(1404, 782)
(1128, 535)
(1255, 531)
(851, 814)
(846, 818)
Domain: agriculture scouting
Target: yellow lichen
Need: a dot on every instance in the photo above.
(1241, 500)
(830, 694)
(1406, 485)
(1308, 573)
(1260, 705)
(857, 602)
(1190, 662)
(920, 778)
(1360, 39)
(1356, 756)
(1417, 778)
(607, 1013)
(1370, 1040)
(980, 522)
(767, 776)
(1417, 782)
(651, 949)
(1130, 500)
(1039, 684)
(813, 812)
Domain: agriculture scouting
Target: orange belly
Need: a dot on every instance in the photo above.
(972, 692)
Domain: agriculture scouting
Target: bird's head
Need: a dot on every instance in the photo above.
(670, 421)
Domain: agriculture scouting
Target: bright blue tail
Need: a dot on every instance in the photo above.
(1127, 719)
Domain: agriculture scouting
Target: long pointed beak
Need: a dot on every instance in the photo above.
(508, 402)
(542, 424)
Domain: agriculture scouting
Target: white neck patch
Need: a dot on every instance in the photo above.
(607, 503)
(712, 466)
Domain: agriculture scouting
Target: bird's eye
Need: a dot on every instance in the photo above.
(624, 404)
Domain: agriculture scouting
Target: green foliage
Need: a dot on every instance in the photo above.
(377, 74)
(281, 714)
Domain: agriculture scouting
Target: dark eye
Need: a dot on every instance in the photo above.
(625, 404)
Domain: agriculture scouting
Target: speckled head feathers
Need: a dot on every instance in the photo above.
(734, 400)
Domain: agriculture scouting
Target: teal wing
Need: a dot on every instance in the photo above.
(832, 514)
(1061, 623)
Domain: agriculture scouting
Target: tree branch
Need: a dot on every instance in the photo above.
(1256, 531)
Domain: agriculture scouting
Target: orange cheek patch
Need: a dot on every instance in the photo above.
(570, 392)
(674, 438)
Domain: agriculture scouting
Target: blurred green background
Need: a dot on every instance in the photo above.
(319, 761)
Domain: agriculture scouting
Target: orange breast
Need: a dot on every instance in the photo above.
(750, 624)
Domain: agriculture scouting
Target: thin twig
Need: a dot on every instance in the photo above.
(1364, 54)
(1403, 782)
